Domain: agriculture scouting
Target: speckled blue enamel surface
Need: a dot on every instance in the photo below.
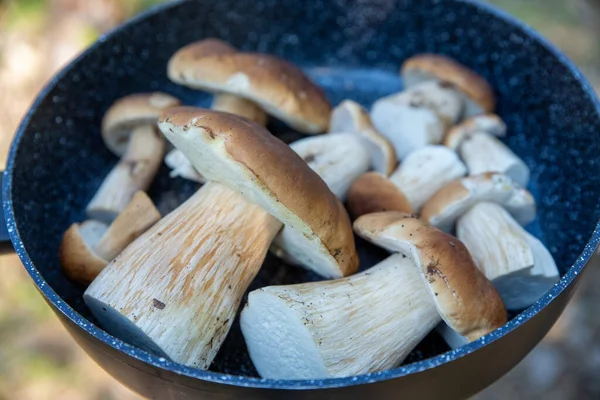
(353, 49)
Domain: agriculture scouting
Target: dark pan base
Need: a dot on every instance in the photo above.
(353, 49)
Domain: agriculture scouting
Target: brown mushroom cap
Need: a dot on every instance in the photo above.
(277, 86)
(490, 123)
(457, 197)
(130, 112)
(465, 299)
(351, 117)
(79, 262)
(244, 156)
(448, 70)
(373, 192)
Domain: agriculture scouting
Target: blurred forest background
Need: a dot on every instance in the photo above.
(39, 361)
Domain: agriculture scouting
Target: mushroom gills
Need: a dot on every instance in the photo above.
(351, 326)
(483, 152)
(175, 290)
(425, 171)
(182, 167)
(517, 263)
(135, 171)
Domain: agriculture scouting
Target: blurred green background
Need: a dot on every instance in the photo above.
(39, 361)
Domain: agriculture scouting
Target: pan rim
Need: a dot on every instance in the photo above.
(242, 381)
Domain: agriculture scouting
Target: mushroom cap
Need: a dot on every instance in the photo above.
(351, 117)
(435, 66)
(79, 262)
(466, 300)
(245, 157)
(373, 192)
(280, 88)
(490, 123)
(129, 112)
(181, 166)
(457, 197)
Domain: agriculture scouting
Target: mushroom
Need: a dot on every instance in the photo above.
(338, 158)
(490, 123)
(371, 321)
(425, 171)
(176, 289)
(517, 263)
(417, 117)
(88, 247)
(483, 152)
(276, 86)
(454, 199)
(351, 117)
(129, 131)
(474, 89)
(373, 192)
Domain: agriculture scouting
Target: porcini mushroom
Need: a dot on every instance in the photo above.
(490, 123)
(370, 321)
(425, 171)
(351, 117)
(484, 152)
(88, 247)
(176, 289)
(129, 131)
(517, 263)
(475, 90)
(373, 192)
(276, 86)
(454, 199)
(417, 117)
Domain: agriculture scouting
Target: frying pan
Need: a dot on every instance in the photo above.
(353, 49)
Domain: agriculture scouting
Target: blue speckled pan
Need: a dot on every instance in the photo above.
(353, 49)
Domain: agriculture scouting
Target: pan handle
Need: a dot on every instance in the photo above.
(5, 244)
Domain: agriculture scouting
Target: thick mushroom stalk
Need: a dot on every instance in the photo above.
(476, 92)
(86, 248)
(417, 117)
(129, 130)
(351, 117)
(351, 326)
(454, 199)
(425, 171)
(177, 288)
(490, 123)
(518, 264)
(483, 152)
(370, 321)
(182, 282)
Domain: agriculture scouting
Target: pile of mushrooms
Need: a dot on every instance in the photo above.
(423, 174)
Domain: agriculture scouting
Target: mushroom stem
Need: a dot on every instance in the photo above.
(351, 326)
(425, 171)
(517, 263)
(176, 289)
(483, 152)
(135, 171)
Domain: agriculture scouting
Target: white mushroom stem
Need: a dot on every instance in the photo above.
(339, 159)
(135, 171)
(483, 152)
(176, 289)
(416, 117)
(517, 263)
(425, 171)
(351, 326)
